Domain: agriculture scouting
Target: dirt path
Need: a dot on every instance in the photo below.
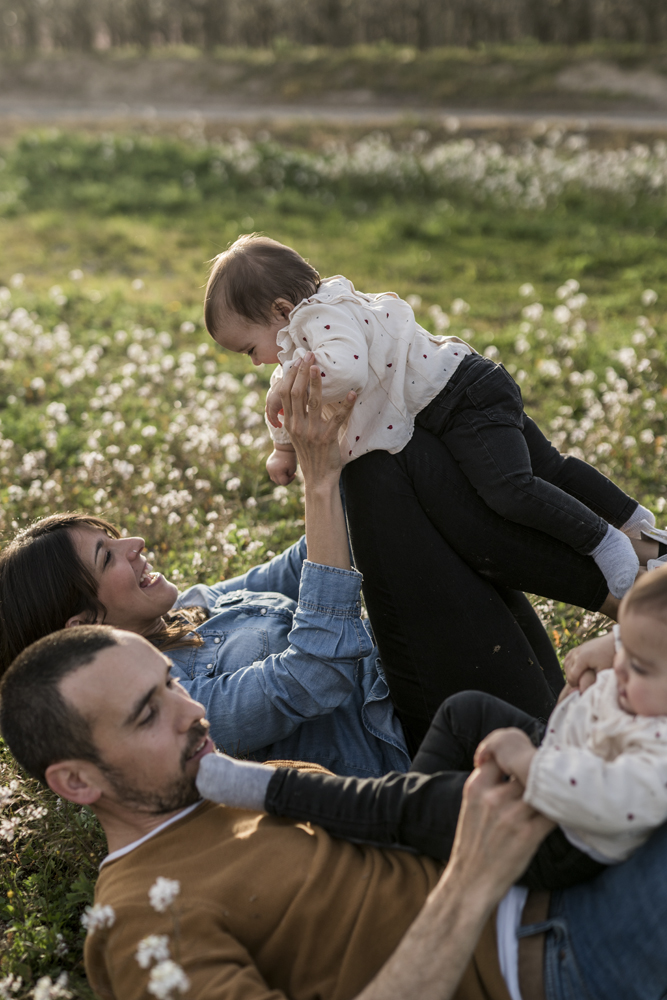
(42, 110)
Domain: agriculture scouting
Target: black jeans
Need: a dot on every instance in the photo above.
(443, 576)
(419, 810)
(479, 415)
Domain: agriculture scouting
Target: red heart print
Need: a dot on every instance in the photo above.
(365, 321)
(387, 315)
(388, 366)
(390, 427)
(356, 357)
(327, 327)
(323, 374)
(305, 340)
(350, 452)
(357, 438)
(424, 355)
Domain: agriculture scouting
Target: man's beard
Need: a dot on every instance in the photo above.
(178, 794)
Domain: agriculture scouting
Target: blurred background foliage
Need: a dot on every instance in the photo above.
(85, 25)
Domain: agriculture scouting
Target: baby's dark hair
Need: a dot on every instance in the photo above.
(250, 275)
(649, 596)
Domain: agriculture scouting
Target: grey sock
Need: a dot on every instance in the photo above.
(241, 784)
(633, 526)
(618, 561)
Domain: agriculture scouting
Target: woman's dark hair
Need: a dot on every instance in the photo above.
(39, 726)
(251, 274)
(43, 583)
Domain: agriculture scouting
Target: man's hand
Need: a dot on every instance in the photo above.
(273, 406)
(496, 836)
(583, 663)
(497, 832)
(281, 464)
(511, 750)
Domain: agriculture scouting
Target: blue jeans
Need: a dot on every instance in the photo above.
(607, 939)
(516, 471)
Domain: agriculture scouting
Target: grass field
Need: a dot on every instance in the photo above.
(113, 398)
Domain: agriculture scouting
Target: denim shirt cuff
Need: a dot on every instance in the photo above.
(330, 589)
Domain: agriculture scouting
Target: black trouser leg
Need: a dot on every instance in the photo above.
(419, 811)
(440, 569)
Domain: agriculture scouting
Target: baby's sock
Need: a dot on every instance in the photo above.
(634, 524)
(618, 561)
(241, 784)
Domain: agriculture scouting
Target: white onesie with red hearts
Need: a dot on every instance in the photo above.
(601, 773)
(372, 345)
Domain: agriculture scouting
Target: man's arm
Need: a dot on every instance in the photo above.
(496, 837)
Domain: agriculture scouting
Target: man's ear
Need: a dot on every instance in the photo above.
(75, 780)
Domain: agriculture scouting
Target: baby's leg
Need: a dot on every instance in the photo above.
(585, 483)
(460, 725)
(484, 432)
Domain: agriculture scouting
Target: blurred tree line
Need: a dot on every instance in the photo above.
(84, 25)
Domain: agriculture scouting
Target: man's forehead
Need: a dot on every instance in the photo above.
(115, 676)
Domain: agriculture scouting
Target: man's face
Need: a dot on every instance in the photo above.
(149, 732)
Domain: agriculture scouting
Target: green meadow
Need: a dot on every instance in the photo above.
(114, 399)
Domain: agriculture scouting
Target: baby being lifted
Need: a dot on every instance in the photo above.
(601, 770)
(264, 300)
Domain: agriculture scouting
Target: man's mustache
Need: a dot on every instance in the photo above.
(197, 733)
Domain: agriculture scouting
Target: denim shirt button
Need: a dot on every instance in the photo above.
(263, 611)
(208, 666)
(216, 640)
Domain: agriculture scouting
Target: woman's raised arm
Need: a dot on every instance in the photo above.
(316, 443)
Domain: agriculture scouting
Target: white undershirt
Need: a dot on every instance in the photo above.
(135, 843)
(508, 921)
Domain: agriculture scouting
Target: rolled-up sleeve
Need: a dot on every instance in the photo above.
(280, 575)
(267, 700)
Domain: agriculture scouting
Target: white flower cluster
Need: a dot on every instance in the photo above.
(98, 917)
(47, 989)
(9, 987)
(163, 892)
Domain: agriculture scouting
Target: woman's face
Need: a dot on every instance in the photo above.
(134, 597)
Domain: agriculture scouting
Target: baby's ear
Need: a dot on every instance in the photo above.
(282, 307)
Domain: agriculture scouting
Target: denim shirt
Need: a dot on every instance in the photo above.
(288, 669)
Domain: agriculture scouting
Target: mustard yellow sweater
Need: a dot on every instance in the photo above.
(268, 908)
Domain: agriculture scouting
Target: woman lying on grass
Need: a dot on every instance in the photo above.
(280, 656)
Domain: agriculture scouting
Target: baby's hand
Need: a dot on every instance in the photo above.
(512, 751)
(584, 662)
(274, 406)
(281, 465)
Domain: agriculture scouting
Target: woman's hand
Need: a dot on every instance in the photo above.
(315, 441)
(583, 663)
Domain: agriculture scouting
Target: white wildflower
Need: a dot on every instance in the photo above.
(76, 274)
(188, 327)
(491, 351)
(148, 431)
(459, 306)
(647, 436)
(97, 917)
(549, 367)
(562, 314)
(163, 892)
(414, 301)
(16, 280)
(233, 484)
(46, 989)
(533, 312)
(137, 285)
(10, 985)
(165, 978)
(154, 948)
(649, 297)
(526, 289)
